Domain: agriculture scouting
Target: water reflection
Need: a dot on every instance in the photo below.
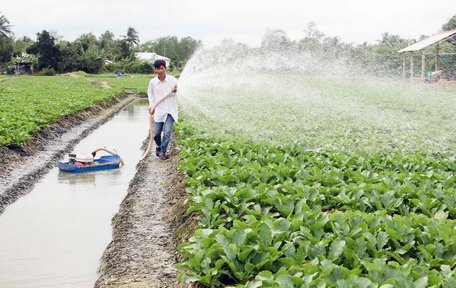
(132, 109)
(89, 178)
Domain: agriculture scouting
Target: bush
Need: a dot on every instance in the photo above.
(138, 67)
(111, 68)
(46, 72)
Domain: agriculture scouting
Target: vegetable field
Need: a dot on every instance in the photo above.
(30, 103)
(308, 182)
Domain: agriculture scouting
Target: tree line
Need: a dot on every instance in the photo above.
(51, 54)
(380, 59)
(106, 53)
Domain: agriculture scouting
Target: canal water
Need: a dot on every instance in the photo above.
(55, 235)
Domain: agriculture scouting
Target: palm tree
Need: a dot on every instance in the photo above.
(132, 37)
(5, 30)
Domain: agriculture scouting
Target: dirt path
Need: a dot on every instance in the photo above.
(142, 252)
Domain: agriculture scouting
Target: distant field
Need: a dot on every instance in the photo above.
(30, 103)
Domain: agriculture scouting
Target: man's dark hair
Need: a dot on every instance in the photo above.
(159, 63)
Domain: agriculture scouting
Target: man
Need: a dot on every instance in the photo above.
(163, 106)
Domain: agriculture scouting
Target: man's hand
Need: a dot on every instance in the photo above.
(174, 90)
(152, 110)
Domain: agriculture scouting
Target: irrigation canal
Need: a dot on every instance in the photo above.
(55, 235)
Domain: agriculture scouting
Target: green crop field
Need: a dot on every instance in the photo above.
(30, 103)
(299, 181)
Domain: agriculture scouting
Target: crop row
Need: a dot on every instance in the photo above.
(287, 217)
(396, 183)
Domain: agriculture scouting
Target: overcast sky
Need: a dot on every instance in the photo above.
(242, 20)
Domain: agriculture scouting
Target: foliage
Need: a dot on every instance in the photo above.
(179, 51)
(25, 58)
(89, 53)
(289, 217)
(6, 49)
(20, 45)
(138, 67)
(450, 25)
(46, 50)
(386, 60)
(6, 42)
(70, 57)
(46, 72)
(275, 40)
(91, 59)
(5, 27)
(132, 37)
(31, 103)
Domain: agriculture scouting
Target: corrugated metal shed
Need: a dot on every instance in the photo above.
(437, 38)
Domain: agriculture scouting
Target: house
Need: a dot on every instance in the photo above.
(23, 68)
(151, 57)
(23, 65)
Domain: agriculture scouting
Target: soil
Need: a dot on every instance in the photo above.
(151, 221)
(143, 250)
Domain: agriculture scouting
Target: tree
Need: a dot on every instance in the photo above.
(106, 40)
(46, 50)
(84, 41)
(91, 59)
(112, 47)
(6, 42)
(167, 46)
(20, 45)
(275, 40)
(450, 25)
(179, 51)
(124, 50)
(127, 43)
(6, 49)
(312, 42)
(186, 47)
(148, 46)
(131, 38)
(386, 60)
(331, 47)
(312, 32)
(5, 28)
(69, 57)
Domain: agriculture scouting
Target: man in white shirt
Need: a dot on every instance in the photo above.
(163, 105)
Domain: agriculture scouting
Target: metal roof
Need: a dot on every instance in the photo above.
(444, 36)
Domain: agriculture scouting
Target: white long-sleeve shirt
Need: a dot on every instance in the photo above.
(158, 89)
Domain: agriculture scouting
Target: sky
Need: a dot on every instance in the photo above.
(246, 21)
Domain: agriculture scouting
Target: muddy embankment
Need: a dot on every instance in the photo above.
(151, 220)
